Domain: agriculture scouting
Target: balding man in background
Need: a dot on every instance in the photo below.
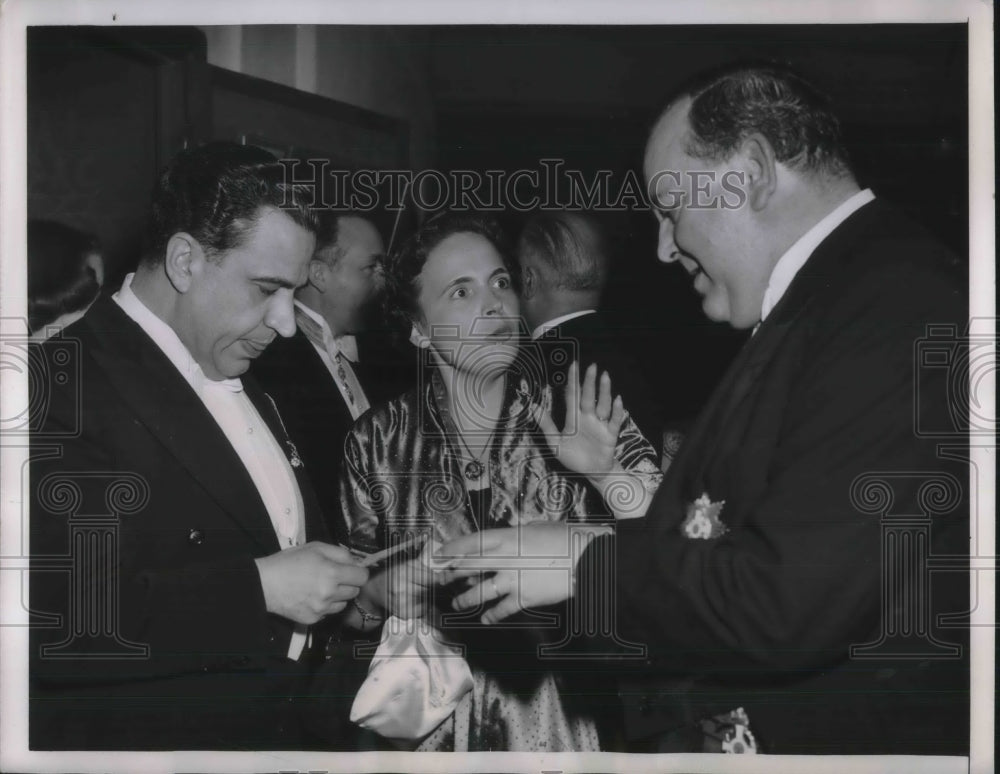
(564, 260)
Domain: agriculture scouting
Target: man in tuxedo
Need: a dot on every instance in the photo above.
(563, 257)
(317, 378)
(781, 577)
(180, 564)
(757, 576)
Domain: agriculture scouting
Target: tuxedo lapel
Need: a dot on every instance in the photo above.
(685, 478)
(821, 269)
(760, 350)
(722, 424)
(168, 407)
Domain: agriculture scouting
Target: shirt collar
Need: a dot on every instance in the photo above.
(795, 257)
(542, 329)
(346, 345)
(168, 341)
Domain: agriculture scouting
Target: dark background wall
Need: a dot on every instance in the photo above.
(107, 108)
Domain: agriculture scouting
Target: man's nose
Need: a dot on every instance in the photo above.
(280, 315)
(666, 248)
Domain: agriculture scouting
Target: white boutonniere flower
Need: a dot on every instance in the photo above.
(702, 521)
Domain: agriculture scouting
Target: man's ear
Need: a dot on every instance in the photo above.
(418, 339)
(317, 275)
(760, 170)
(183, 261)
(528, 282)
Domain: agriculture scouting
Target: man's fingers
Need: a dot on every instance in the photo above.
(471, 597)
(335, 607)
(505, 608)
(473, 544)
(486, 591)
(414, 576)
(344, 593)
(331, 552)
(462, 568)
(349, 574)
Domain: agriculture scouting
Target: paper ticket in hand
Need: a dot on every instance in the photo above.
(403, 550)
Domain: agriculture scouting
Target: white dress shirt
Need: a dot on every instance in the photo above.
(542, 329)
(251, 439)
(795, 257)
(337, 354)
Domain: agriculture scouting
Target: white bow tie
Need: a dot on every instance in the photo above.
(202, 382)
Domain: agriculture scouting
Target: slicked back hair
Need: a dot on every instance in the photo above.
(729, 104)
(214, 193)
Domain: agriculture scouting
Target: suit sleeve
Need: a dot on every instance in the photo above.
(800, 580)
(117, 616)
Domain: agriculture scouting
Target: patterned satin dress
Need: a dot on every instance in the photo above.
(402, 475)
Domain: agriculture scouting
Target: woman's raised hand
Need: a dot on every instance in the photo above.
(586, 443)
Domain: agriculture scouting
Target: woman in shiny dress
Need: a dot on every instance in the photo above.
(472, 448)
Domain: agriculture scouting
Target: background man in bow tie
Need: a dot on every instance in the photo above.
(188, 625)
(780, 578)
(325, 376)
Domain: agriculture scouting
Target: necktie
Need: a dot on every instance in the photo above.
(338, 351)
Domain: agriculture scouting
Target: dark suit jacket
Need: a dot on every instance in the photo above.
(590, 340)
(764, 616)
(387, 366)
(314, 411)
(175, 648)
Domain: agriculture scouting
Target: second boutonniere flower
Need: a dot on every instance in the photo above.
(702, 521)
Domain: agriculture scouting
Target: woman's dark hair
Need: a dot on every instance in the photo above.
(403, 266)
(213, 193)
(59, 279)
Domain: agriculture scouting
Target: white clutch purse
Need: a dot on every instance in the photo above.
(414, 683)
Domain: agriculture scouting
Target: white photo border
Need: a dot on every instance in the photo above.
(16, 15)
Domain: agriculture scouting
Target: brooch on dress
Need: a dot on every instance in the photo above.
(702, 521)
